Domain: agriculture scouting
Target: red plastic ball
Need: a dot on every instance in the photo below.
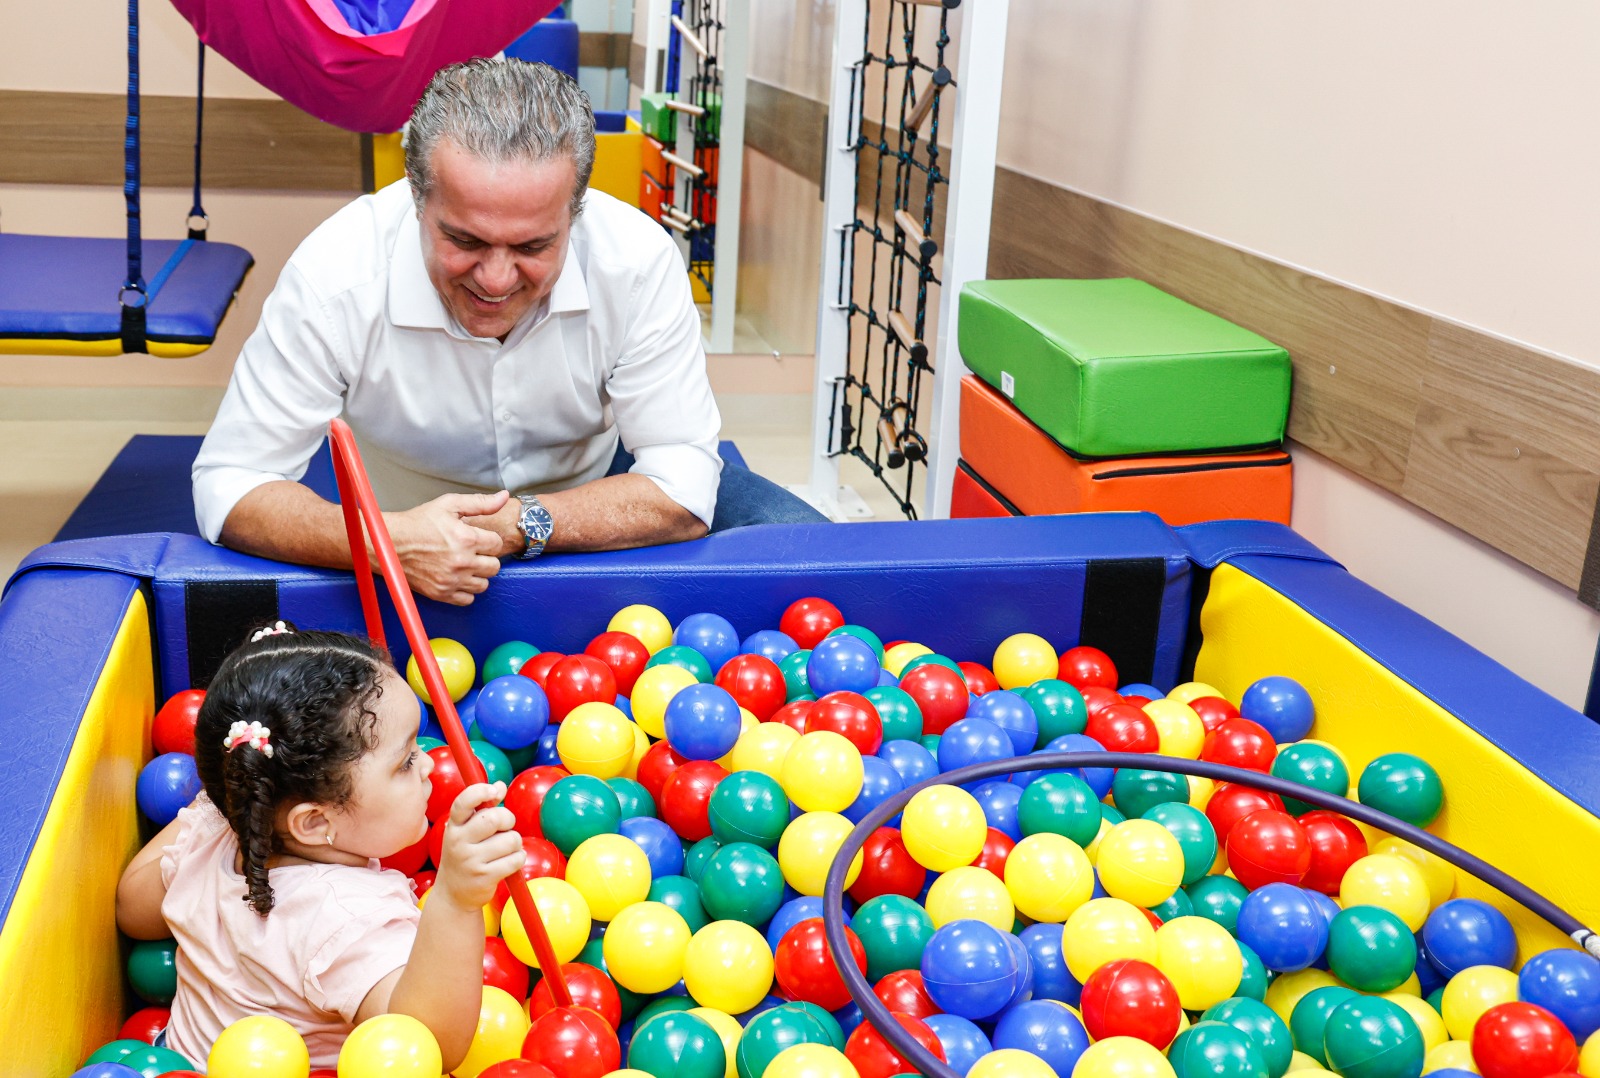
(578, 679)
(1268, 846)
(1232, 802)
(538, 667)
(573, 1042)
(1240, 743)
(434, 840)
(1213, 711)
(590, 988)
(851, 716)
(1097, 699)
(887, 868)
(1336, 844)
(996, 848)
(145, 1023)
(685, 802)
(809, 620)
(1522, 1040)
(526, 793)
(422, 882)
(1083, 666)
(656, 766)
(941, 695)
(1152, 916)
(1123, 728)
(506, 1068)
(979, 678)
(804, 965)
(624, 654)
(325, 1072)
(874, 1057)
(446, 781)
(502, 969)
(1129, 998)
(173, 728)
(409, 860)
(1136, 700)
(904, 991)
(795, 713)
(755, 682)
(542, 858)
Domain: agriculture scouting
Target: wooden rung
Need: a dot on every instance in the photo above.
(690, 38)
(902, 329)
(688, 166)
(685, 106)
(673, 222)
(923, 107)
(675, 212)
(933, 3)
(908, 225)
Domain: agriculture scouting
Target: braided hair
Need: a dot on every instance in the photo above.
(317, 692)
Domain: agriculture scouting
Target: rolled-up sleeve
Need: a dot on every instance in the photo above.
(286, 386)
(660, 394)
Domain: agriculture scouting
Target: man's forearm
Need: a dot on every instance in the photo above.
(289, 522)
(614, 513)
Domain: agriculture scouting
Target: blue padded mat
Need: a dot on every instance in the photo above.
(65, 288)
(147, 489)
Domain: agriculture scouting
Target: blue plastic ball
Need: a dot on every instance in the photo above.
(842, 664)
(1012, 714)
(106, 1069)
(1284, 926)
(1098, 778)
(547, 754)
(702, 722)
(512, 711)
(913, 762)
(1024, 986)
(660, 843)
(1045, 1028)
(790, 914)
(849, 1017)
(1468, 932)
(972, 741)
(963, 1042)
(879, 782)
(1282, 705)
(769, 644)
(1139, 688)
(998, 799)
(624, 705)
(167, 784)
(1567, 984)
(712, 635)
(1051, 978)
(886, 678)
(969, 968)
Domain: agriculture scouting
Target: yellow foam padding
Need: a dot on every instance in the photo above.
(111, 346)
(701, 293)
(618, 160)
(1494, 807)
(59, 953)
(388, 160)
(631, 123)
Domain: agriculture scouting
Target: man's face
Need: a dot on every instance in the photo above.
(494, 235)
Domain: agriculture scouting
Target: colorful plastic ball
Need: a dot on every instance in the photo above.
(808, 848)
(1284, 927)
(841, 663)
(172, 730)
(943, 828)
(595, 739)
(1567, 984)
(702, 722)
(633, 799)
(573, 1042)
(1390, 882)
(1023, 659)
(996, 848)
(910, 760)
(455, 663)
(729, 1030)
(1240, 743)
(969, 969)
(941, 695)
(683, 658)
(566, 917)
(1117, 1057)
(879, 782)
(1057, 707)
(1472, 992)
(972, 741)
(1469, 932)
(1308, 1018)
(887, 868)
(1439, 873)
(893, 931)
(1139, 861)
(1232, 802)
(1130, 998)
(610, 872)
(1201, 960)
(165, 786)
(1281, 705)
(1429, 1022)
(741, 882)
(685, 800)
(577, 808)
(809, 620)
(793, 671)
(502, 1027)
(774, 1031)
(1314, 764)
(153, 970)
(512, 711)
(749, 806)
(1195, 836)
(962, 1041)
(763, 747)
(874, 1057)
(578, 679)
(644, 947)
(1404, 786)
(624, 653)
(391, 1046)
(148, 1061)
(264, 1046)
(822, 772)
(903, 991)
(1452, 1059)
(970, 892)
(756, 683)
(1011, 713)
(698, 855)
(590, 987)
(682, 896)
(1180, 730)
(711, 635)
(1218, 899)
(1051, 977)
(1336, 844)
(1268, 846)
(1210, 1049)
(145, 1024)
(1049, 877)
(537, 669)
(1268, 1032)
(653, 692)
(851, 716)
(1046, 1030)
(1083, 666)
(805, 967)
(677, 1044)
(1060, 804)
(1370, 1037)
(1370, 949)
(106, 1069)
(1122, 727)
(898, 715)
(1103, 930)
(770, 644)
(644, 623)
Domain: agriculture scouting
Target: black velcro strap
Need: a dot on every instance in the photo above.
(1199, 588)
(133, 329)
(217, 615)
(1122, 600)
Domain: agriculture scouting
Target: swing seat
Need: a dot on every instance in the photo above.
(59, 294)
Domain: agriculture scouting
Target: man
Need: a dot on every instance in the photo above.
(488, 327)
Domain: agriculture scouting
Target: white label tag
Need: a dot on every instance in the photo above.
(1008, 384)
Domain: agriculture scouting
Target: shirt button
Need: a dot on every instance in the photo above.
(506, 416)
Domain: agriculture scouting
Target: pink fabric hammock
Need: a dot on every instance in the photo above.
(306, 52)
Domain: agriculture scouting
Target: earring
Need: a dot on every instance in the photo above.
(330, 840)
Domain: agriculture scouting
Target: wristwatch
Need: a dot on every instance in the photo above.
(535, 524)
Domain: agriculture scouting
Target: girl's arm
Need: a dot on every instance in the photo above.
(140, 891)
(441, 984)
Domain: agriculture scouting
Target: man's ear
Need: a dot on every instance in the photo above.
(307, 823)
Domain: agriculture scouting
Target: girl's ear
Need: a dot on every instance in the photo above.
(307, 823)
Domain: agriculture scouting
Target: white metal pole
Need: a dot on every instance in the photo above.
(735, 62)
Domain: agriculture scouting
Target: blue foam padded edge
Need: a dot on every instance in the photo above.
(1213, 542)
(48, 617)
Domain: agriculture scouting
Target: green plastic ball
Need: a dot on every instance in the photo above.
(1179, 905)
(632, 797)
(696, 856)
(1218, 898)
(426, 743)
(576, 808)
(902, 718)
(1404, 786)
(781, 1027)
(1370, 1037)
(507, 659)
(152, 1062)
(113, 1051)
(1309, 1019)
(684, 658)
(1215, 1050)
(829, 1023)
(893, 930)
(1262, 1025)
(677, 1045)
(1196, 837)
(1136, 792)
(1060, 805)
(931, 743)
(496, 765)
(793, 669)
(742, 882)
(1314, 765)
(1370, 949)
(1058, 706)
(865, 635)
(593, 954)
(1256, 978)
(663, 1005)
(749, 806)
(1111, 814)
(681, 894)
(936, 660)
(153, 970)
(520, 759)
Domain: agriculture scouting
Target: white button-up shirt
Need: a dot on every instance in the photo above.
(354, 326)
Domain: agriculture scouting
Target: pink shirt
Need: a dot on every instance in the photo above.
(334, 932)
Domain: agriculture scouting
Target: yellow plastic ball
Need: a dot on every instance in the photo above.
(610, 872)
(970, 893)
(1023, 658)
(822, 772)
(645, 624)
(1429, 1024)
(1589, 1057)
(1200, 791)
(1471, 992)
(566, 919)
(747, 722)
(1299, 1061)
(1181, 732)
(653, 691)
(1455, 1055)
(943, 827)
(763, 747)
(895, 659)
(808, 847)
(1439, 874)
(629, 1072)
(1289, 989)
(1389, 882)
(1092, 851)
(1140, 862)
(1048, 876)
(455, 663)
(810, 1061)
(390, 1046)
(644, 947)
(1411, 986)
(641, 745)
(260, 1046)
(1121, 1057)
(1201, 960)
(728, 967)
(1103, 930)
(1011, 1063)
(595, 739)
(491, 918)
(1193, 690)
(502, 1025)
(728, 1032)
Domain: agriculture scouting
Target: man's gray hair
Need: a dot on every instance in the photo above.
(501, 110)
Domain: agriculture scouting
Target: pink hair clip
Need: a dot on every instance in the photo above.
(271, 630)
(249, 733)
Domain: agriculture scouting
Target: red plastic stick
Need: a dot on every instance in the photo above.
(361, 508)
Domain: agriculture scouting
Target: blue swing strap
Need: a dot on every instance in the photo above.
(197, 212)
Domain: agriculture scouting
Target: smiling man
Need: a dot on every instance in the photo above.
(519, 357)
